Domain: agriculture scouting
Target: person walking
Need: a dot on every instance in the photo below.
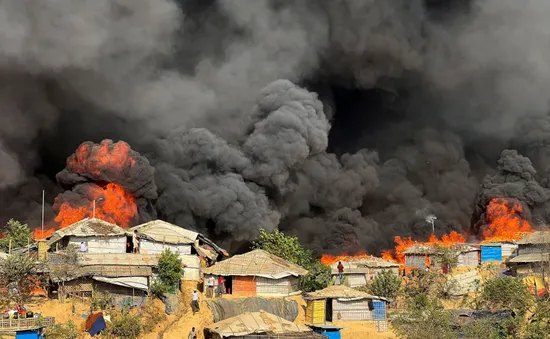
(195, 302)
(193, 334)
(83, 247)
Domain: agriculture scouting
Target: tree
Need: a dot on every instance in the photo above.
(284, 246)
(169, 273)
(65, 268)
(386, 284)
(505, 293)
(19, 234)
(289, 248)
(318, 277)
(19, 271)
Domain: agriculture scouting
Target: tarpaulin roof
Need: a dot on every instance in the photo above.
(162, 231)
(255, 323)
(341, 292)
(256, 263)
(139, 283)
(87, 228)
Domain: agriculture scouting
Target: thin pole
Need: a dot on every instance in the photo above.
(42, 213)
(93, 211)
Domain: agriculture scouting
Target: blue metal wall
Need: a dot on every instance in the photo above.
(331, 334)
(26, 335)
(379, 312)
(491, 253)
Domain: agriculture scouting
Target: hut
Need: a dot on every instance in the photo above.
(533, 255)
(259, 325)
(257, 273)
(100, 237)
(421, 256)
(343, 303)
(497, 251)
(359, 272)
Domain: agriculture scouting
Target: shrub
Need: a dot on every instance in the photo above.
(505, 293)
(386, 284)
(62, 331)
(318, 277)
(19, 234)
(125, 325)
(102, 301)
(169, 274)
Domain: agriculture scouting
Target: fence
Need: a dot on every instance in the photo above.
(12, 325)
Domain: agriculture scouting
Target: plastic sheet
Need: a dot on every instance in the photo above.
(223, 308)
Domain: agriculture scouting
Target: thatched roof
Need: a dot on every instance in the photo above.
(256, 323)
(340, 291)
(529, 258)
(537, 238)
(256, 263)
(162, 231)
(87, 228)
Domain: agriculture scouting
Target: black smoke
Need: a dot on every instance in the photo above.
(346, 122)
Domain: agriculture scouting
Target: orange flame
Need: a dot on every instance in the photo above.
(328, 259)
(113, 204)
(505, 221)
(107, 157)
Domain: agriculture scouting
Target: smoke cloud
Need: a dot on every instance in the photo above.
(344, 122)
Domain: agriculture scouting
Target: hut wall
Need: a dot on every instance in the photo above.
(121, 295)
(468, 259)
(79, 287)
(315, 311)
(266, 286)
(533, 249)
(356, 279)
(351, 310)
(100, 244)
(491, 253)
(244, 286)
(294, 284)
(415, 260)
(508, 249)
(154, 247)
(192, 269)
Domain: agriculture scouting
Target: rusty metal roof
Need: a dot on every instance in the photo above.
(256, 263)
(340, 291)
(87, 228)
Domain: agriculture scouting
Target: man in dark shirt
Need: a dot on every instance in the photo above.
(340, 272)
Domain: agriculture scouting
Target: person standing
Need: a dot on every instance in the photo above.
(340, 272)
(135, 241)
(211, 282)
(221, 286)
(193, 334)
(195, 302)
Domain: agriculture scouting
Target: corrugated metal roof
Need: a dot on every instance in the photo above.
(372, 262)
(255, 323)
(539, 237)
(116, 271)
(125, 259)
(533, 257)
(256, 263)
(341, 291)
(162, 231)
(433, 248)
(87, 228)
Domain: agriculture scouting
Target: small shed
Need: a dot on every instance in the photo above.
(422, 255)
(100, 236)
(497, 251)
(157, 235)
(360, 271)
(533, 254)
(257, 273)
(258, 325)
(343, 303)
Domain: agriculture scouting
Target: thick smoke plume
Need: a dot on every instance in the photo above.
(344, 122)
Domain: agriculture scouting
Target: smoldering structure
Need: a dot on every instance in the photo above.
(344, 122)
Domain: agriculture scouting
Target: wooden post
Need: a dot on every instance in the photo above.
(9, 247)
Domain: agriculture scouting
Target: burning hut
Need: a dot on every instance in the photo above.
(497, 251)
(359, 272)
(339, 302)
(533, 255)
(157, 235)
(421, 256)
(257, 273)
(99, 236)
(259, 325)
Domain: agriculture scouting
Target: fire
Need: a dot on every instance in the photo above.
(113, 204)
(107, 157)
(402, 244)
(328, 259)
(37, 234)
(505, 221)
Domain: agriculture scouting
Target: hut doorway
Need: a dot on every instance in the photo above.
(328, 310)
(129, 244)
(228, 284)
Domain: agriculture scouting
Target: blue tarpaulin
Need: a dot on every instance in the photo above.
(491, 253)
(98, 326)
